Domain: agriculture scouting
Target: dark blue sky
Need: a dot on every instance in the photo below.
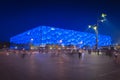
(17, 16)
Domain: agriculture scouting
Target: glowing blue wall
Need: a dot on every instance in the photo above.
(50, 35)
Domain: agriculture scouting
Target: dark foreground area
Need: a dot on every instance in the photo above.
(63, 67)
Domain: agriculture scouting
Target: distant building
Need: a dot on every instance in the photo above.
(42, 35)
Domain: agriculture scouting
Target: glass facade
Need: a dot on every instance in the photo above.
(50, 35)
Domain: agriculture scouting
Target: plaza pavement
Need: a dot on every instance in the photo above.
(63, 67)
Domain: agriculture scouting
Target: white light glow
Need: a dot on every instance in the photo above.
(31, 39)
(95, 28)
(89, 26)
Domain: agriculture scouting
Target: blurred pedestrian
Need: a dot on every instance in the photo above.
(89, 51)
(23, 54)
(79, 53)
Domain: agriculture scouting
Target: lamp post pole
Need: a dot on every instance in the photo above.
(31, 43)
(96, 31)
(95, 27)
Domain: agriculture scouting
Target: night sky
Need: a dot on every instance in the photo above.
(21, 15)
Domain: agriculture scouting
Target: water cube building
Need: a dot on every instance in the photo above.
(43, 35)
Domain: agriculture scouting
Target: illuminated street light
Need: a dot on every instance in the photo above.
(102, 20)
(89, 26)
(95, 27)
(103, 15)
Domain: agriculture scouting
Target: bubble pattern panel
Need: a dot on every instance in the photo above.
(50, 35)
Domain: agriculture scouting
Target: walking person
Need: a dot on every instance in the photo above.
(79, 53)
(89, 51)
(23, 54)
(115, 57)
(111, 51)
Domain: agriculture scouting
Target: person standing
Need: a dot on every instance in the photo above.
(79, 53)
(89, 51)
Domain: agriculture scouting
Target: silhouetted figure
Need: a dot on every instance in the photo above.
(98, 51)
(89, 51)
(110, 52)
(73, 52)
(115, 57)
(79, 53)
(107, 52)
(23, 55)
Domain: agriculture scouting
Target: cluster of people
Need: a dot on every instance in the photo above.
(116, 56)
(52, 52)
(111, 52)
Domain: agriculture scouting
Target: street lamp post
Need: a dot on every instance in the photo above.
(96, 31)
(95, 27)
(31, 43)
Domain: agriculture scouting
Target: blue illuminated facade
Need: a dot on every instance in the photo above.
(43, 35)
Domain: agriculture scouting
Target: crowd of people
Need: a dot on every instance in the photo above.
(111, 52)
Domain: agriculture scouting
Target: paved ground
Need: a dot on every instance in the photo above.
(65, 67)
